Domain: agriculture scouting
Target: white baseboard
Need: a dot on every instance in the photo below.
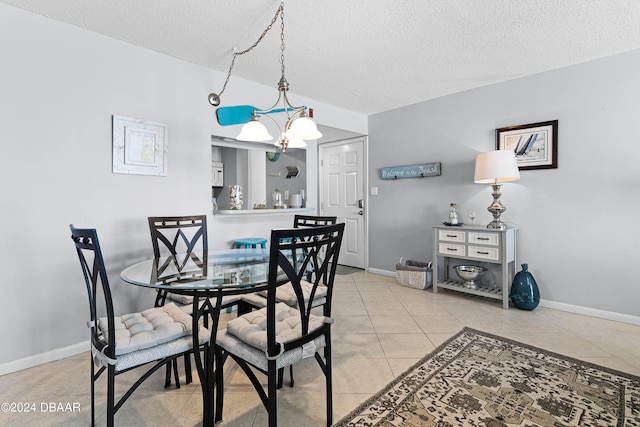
(381, 272)
(609, 315)
(593, 312)
(42, 358)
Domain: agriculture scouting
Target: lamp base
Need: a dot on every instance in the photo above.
(496, 209)
(497, 225)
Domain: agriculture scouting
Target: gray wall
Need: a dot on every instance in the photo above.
(577, 223)
(292, 157)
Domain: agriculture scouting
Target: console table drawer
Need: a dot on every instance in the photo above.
(452, 236)
(492, 254)
(492, 239)
(451, 249)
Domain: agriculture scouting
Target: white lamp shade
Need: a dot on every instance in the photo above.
(254, 131)
(496, 166)
(303, 128)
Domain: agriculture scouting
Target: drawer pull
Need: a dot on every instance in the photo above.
(451, 235)
(452, 249)
(483, 253)
(482, 238)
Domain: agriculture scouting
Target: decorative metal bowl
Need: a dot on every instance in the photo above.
(470, 274)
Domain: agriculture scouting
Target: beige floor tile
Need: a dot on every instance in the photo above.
(439, 339)
(357, 346)
(345, 286)
(360, 375)
(348, 308)
(352, 324)
(395, 324)
(404, 293)
(399, 366)
(381, 329)
(343, 281)
(346, 296)
(372, 286)
(385, 308)
(438, 324)
(405, 345)
(614, 363)
(344, 403)
(365, 277)
(424, 307)
(568, 345)
(377, 295)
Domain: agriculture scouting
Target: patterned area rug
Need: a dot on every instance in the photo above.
(482, 380)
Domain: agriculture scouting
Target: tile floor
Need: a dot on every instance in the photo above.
(381, 329)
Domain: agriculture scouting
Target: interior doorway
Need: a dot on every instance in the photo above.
(342, 182)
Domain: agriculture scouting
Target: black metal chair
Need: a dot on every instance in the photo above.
(279, 335)
(166, 331)
(256, 301)
(172, 235)
(177, 235)
(313, 221)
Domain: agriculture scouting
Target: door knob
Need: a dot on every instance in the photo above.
(360, 212)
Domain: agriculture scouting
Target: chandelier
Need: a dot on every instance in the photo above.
(298, 126)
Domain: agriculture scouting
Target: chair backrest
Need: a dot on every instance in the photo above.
(313, 221)
(300, 221)
(97, 283)
(301, 254)
(178, 234)
(181, 242)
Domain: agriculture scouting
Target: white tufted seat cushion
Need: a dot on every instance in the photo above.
(251, 328)
(252, 346)
(149, 328)
(286, 294)
(168, 326)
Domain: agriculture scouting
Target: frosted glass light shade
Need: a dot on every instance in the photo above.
(496, 166)
(303, 128)
(254, 131)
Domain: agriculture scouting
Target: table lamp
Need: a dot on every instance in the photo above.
(496, 167)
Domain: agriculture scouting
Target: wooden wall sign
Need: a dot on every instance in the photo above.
(411, 171)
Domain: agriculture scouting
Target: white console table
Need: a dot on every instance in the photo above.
(474, 243)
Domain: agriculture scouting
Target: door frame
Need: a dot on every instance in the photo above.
(365, 184)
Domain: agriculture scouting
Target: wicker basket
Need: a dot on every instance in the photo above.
(414, 274)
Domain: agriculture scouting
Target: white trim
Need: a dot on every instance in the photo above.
(593, 312)
(587, 311)
(290, 211)
(381, 272)
(42, 358)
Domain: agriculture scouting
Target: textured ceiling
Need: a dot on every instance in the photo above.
(367, 56)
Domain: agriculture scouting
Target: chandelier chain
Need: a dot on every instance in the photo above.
(279, 13)
(282, 45)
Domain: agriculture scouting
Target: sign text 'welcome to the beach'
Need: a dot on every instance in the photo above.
(411, 171)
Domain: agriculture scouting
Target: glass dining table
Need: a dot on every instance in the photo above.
(207, 277)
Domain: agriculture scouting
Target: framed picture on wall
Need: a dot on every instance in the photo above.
(535, 144)
(139, 147)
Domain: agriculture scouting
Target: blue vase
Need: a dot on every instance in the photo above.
(524, 290)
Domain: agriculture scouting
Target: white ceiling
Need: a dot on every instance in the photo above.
(367, 56)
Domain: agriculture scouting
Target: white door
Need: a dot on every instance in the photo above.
(342, 190)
